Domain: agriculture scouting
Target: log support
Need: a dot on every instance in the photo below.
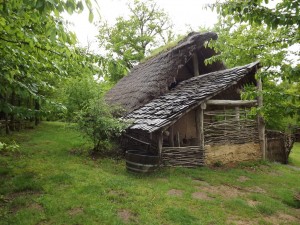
(177, 139)
(200, 125)
(160, 143)
(236, 103)
(171, 136)
(260, 120)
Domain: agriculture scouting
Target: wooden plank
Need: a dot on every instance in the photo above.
(232, 102)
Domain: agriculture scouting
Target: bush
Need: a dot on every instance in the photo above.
(98, 122)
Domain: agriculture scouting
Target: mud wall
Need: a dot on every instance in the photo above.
(232, 153)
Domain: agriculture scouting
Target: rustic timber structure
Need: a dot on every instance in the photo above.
(187, 113)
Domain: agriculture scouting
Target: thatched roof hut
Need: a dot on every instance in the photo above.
(159, 74)
(187, 113)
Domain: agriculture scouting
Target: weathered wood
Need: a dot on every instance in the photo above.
(232, 102)
(260, 120)
(171, 136)
(201, 117)
(245, 132)
(135, 139)
(160, 143)
(195, 65)
(237, 117)
(278, 146)
(177, 139)
(198, 126)
(161, 112)
(190, 156)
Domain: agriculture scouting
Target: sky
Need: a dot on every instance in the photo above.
(183, 13)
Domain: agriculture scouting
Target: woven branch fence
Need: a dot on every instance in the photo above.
(190, 156)
(228, 127)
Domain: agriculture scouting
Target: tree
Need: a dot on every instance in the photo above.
(242, 43)
(36, 52)
(76, 92)
(129, 40)
(285, 13)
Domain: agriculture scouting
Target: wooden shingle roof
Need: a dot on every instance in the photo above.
(161, 111)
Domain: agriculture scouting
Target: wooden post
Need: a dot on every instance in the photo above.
(171, 136)
(198, 125)
(203, 107)
(195, 64)
(177, 139)
(260, 120)
(160, 143)
(237, 117)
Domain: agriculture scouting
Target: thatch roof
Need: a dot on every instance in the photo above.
(153, 78)
(169, 107)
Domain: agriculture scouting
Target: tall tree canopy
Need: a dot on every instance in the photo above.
(37, 52)
(130, 39)
(285, 13)
(246, 33)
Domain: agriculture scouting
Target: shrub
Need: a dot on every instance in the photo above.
(99, 122)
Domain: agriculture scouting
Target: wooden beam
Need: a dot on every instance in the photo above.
(195, 65)
(232, 102)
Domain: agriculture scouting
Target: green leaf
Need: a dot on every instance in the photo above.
(91, 16)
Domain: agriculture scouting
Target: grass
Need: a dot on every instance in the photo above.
(45, 182)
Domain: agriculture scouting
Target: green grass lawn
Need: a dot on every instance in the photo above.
(51, 180)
